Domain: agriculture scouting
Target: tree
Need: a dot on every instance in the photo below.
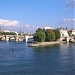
(39, 36)
(7, 33)
(39, 29)
(50, 35)
(57, 34)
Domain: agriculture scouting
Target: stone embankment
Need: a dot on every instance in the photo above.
(38, 44)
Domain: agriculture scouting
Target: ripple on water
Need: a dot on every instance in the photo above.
(16, 58)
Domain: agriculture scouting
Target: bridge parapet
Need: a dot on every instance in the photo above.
(16, 37)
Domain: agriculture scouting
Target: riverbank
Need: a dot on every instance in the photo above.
(44, 43)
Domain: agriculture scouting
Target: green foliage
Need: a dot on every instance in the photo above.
(39, 29)
(46, 35)
(57, 34)
(7, 33)
(39, 36)
(50, 35)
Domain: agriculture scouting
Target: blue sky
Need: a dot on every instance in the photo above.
(31, 14)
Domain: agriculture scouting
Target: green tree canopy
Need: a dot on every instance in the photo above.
(57, 34)
(39, 36)
(7, 33)
(39, 29)
(50, 35)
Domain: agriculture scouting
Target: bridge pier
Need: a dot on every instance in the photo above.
(7, 38)
(0, 39)
(67, 39)
(27, 37)
(17, 38)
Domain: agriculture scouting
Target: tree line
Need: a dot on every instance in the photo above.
(46, 35)
(7, 33)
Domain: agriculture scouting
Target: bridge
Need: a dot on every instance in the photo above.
(68, 39)
(15, 37)
(12, 37)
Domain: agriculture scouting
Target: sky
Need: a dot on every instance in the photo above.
(28, 15)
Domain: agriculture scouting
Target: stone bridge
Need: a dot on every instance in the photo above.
(10, 37)
(67, 39)
(15, 37)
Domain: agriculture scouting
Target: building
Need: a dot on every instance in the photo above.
(45, 28)
(64, 33)
(73, 32)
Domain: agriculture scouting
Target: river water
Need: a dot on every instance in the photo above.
(16, 58)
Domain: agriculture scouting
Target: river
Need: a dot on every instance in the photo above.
(16, 58)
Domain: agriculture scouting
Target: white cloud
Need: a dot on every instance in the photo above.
(33, 26)
(8, 22)
(30, 26)
(70, 3)
(69, 20)
(27, 25)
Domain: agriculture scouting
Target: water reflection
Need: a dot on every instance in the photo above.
(16, 58)
(67, 60)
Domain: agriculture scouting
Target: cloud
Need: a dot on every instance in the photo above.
(8, 22)
(69, 20)
(27, 25)
(30, 26)
(70, 3)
